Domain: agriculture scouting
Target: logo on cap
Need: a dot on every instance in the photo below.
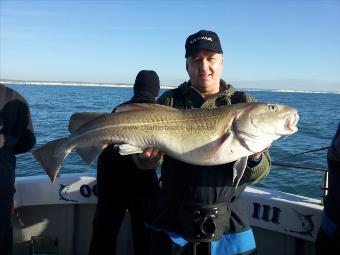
(201, 38)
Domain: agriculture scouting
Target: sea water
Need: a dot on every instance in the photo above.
(52, 106)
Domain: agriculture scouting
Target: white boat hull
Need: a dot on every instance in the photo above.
(283, 223)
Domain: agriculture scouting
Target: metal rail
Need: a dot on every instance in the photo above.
(300, 166)
(318, 168)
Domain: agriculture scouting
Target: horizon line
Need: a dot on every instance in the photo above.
(124, 84)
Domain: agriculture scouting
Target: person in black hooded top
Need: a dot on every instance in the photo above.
(328, 239)
(16, 137)
(123, 186)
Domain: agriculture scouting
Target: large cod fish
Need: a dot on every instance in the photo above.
(196, 136)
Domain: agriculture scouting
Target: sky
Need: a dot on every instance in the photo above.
(269, 44)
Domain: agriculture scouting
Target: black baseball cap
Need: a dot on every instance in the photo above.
(202, 40)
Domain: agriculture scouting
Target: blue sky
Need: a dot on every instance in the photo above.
(292, 44)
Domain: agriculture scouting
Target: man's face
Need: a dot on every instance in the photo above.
(205, 69)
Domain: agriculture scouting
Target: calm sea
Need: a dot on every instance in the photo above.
(52, 106)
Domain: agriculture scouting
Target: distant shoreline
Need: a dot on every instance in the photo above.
(85, 84)
(127, 85)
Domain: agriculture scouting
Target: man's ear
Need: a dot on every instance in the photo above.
(222, 61)
(186, 65)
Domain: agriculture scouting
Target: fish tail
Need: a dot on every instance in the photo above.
(51, 156)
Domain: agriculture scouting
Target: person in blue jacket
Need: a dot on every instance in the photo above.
(16, 137)
(328, 240)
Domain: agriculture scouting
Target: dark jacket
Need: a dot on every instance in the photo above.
(16, 136)
(331, 217)
(182, 182)
(15, 122)
(328, 239)
(16, 131)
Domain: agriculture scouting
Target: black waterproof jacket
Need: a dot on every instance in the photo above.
(182, 182)
(16, 136)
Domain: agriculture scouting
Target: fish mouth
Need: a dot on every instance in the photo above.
(291, 123)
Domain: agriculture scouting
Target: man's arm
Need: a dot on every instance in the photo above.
(333, 154)
(24, 132)
(257, 171)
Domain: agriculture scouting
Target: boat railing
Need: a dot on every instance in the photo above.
(319, 168)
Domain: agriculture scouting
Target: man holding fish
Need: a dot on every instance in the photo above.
(200, 204)
(214, 140)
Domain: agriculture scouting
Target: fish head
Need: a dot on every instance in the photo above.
(267, 121)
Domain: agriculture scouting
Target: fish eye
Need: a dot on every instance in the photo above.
(273, 107)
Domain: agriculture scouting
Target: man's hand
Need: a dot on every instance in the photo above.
(255, 159)
(258, 155)
(105, 143)
(150, 153)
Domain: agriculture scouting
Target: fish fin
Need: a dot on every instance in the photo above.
(126, 149)
(238, 170)
(222, 144)
(143, 107)
(89, 153)
(51, 156)
(80, 118)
